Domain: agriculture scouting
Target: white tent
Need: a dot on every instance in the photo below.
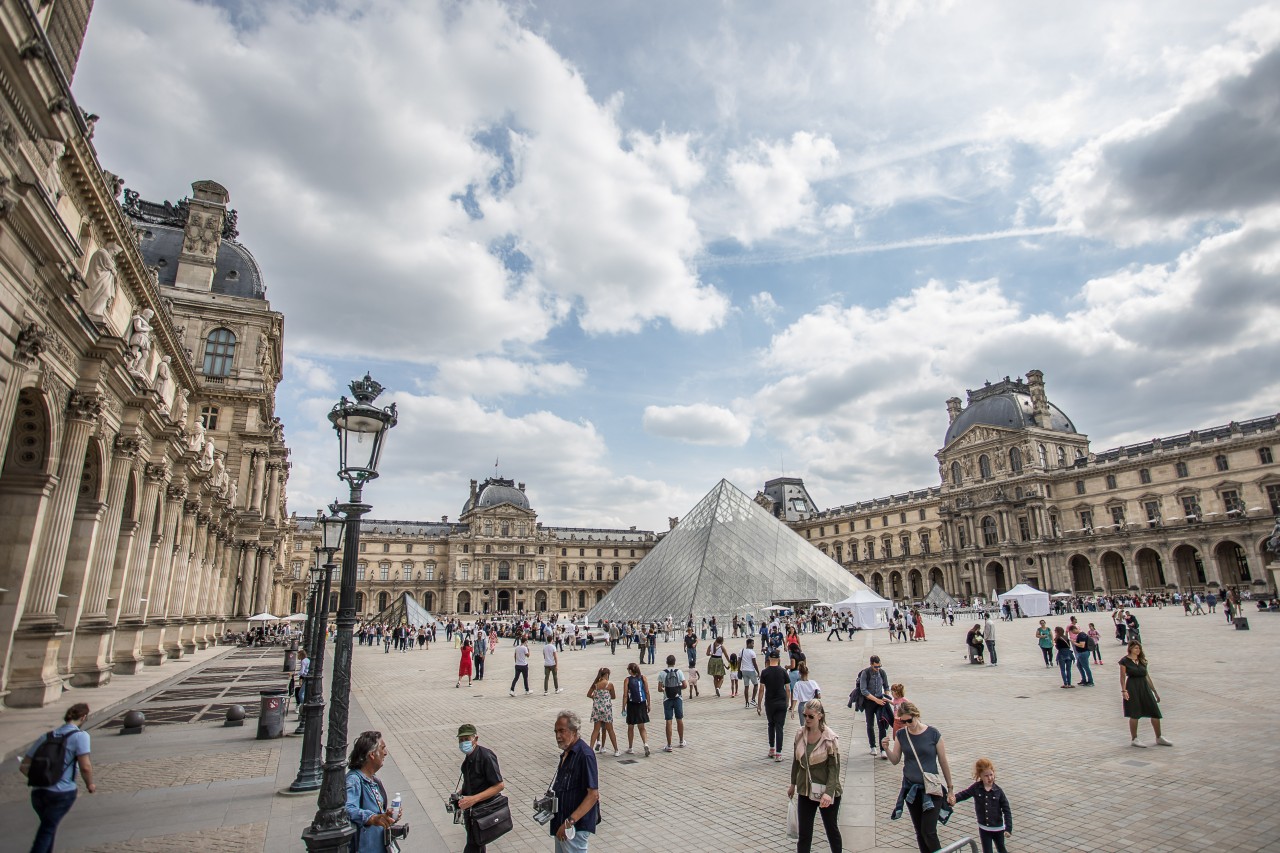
(1031, 601)
(869, 610)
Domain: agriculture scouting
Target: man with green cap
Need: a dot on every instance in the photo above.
(481, 779)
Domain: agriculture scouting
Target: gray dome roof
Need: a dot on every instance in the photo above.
(496, 491)
(1008, 406)
(236, 273)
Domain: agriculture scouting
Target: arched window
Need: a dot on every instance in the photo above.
(219, 352)
(984, 466)
(989, 534)
(1062, 457)
(1044, 456)
(1015, 460)
(359, 601)
(955, 474)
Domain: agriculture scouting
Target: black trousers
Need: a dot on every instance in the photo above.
(479, 662)
(872, 721)
(473, 846)
(926, 823)
(777, 717)
(830, 822)
(521, 670)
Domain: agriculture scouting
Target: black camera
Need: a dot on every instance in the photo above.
(545, 807)
(453, 808)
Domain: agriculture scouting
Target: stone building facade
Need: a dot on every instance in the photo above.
(1023, 498)
(144, 471)
(496, 558)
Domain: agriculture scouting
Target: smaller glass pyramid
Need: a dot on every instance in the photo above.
(403, 611)
(727, 556)
(939, 598)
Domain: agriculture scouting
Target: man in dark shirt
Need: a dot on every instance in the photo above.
(776, 687)
(576, 785)
(481, 779)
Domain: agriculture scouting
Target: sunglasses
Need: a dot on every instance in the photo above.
(811, 716)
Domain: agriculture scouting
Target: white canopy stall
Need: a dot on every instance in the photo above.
(1031, 601)
(869, 610)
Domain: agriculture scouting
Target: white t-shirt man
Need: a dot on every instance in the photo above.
(549, 654)
(522, 655)
(747, 661)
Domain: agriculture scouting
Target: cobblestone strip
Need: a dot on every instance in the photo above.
(246, 838)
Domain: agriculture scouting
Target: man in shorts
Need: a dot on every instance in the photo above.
(671, 681)
(749, 668)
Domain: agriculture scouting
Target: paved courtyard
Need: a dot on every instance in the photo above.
(1062, 755)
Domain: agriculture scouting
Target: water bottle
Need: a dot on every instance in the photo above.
(395, 806)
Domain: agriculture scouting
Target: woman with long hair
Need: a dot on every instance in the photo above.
(1066, 657)
(602, 693)
(1139, 694)
(636, 690)
(464, 664)
(715, 662)
(815, 776)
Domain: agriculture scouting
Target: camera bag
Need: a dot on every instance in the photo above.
(492, 819)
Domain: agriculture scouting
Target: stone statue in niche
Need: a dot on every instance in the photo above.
(181, 404)
(233, 493)
(196, 441)
(206, 458)
(139, 341)
(220, 477)
(164, 382)
(101, 278)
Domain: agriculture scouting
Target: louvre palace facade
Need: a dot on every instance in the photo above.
(144, 470)
(496, 558)
(1023, 498)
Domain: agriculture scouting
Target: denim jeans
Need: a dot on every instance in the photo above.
(577, 844)
(991, 651)
(1082, 663)
(52, 807)
(1064, 666)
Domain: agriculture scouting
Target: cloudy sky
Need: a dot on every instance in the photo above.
(625, 249)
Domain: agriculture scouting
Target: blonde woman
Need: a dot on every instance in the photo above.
(602, 693)
(925, 753)
(815, 775)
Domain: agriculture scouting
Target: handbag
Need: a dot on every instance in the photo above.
(933, 785)
(491, 819)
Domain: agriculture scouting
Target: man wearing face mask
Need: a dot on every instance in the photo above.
(481, 779)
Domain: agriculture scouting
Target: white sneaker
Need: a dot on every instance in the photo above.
(1163, 741)
(511, 693)
(1137, 743)
(630, 751)
(874, 752)
(646, 750)
(667, 748)
(559, 689)
(884, 755)
(617, 754)
(683, 744)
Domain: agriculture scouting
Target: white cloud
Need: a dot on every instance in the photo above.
(496, 377)
(697, 424)
(765, 306)
(309, 374)
(772, 183)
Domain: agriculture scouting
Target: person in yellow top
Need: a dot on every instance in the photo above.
(815, 775)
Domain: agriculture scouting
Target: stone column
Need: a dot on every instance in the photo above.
(242, 596)
(131, 584)
(90, 662)
(82, 544)
(182, 569)
(196, 573)
(33, 665)
(257, 469)
(262, 581)
(162, 568)
(272, 510)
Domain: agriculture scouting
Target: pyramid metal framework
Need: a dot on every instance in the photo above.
(728, 555)
(403, 611)
(940, 598)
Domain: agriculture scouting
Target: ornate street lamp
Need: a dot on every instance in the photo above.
(310, 769)
(361, 428)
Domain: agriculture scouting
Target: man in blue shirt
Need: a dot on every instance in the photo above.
(52, 802)
(576, 785)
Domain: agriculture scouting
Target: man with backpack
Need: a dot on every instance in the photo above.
(671, 680)
(50, 767)
(869, 695)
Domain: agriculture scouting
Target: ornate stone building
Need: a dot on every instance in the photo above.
(1022, 497)
(143, 467)
(496, 558)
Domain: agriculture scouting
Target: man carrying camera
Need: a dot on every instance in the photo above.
(576, 788)
(481, 780)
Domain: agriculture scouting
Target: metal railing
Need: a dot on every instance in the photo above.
(959, 845)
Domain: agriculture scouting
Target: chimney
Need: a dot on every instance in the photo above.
(206, 211)
(473, 491)
(444, 519)
(1039, 401)
(673, 520)
(520, 486)
(953, 409)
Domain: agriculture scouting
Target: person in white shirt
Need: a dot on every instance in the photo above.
(522, 666)
(550, 666)
(804, 690)
(749, 669)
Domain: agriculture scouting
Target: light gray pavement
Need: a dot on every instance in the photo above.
(1062, 755)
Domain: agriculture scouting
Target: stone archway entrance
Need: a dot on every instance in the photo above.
(464, 602)
(895, 585)
(1233, 564)
(1190, 566)
(877, 583)
(1113, 572)
(1150, 569)
(916, 583)
(540, 602)
(1081, 574)
(504, 600)
(995, 577)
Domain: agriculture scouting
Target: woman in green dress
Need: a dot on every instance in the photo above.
(1139, 694)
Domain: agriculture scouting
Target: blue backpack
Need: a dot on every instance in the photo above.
(635, 689)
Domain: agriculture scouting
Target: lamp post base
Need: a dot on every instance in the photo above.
(311, 768)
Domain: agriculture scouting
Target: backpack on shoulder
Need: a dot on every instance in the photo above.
(49, 761)
(671, 683)
(635, 690)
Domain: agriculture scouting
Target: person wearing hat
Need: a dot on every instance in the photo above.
(481, 779)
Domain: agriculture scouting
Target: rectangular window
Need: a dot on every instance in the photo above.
(360, 571)
(1180, 469)
(1117, 516)
(1153, 513)
(297, 546)
(431, 549)
(519, 571)
(866, 523)
(884, 521)
(822, 531)
(1221, 461)
(1079, 487)
(1232, 503)
(385, 573)
(905, 541)
(582, 552)
(1273, 497)
(1111, 481)
(922, 514)
(1264, 455)
(924, 542)
(465, 568)
(1191, 508)
(431, 571)
(871, 550)
(408, 549)
(386, 547)
(542, 573)
(209, 417)
(835, 531)
(297, 570)
(888, 547)
(363, 547)
(902, 518)
(1144, 475)
(1086, 520)
(1024, 529)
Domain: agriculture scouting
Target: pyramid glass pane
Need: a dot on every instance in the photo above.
(404, 610)
(727, 556)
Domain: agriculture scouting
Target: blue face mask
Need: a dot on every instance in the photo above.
(465, 746)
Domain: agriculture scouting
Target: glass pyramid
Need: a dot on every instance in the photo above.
(728, 555)
(403, 611)
(939, 598)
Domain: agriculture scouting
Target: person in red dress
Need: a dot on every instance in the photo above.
(464, 664)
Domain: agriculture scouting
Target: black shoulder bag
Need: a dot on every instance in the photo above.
(491, 819)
